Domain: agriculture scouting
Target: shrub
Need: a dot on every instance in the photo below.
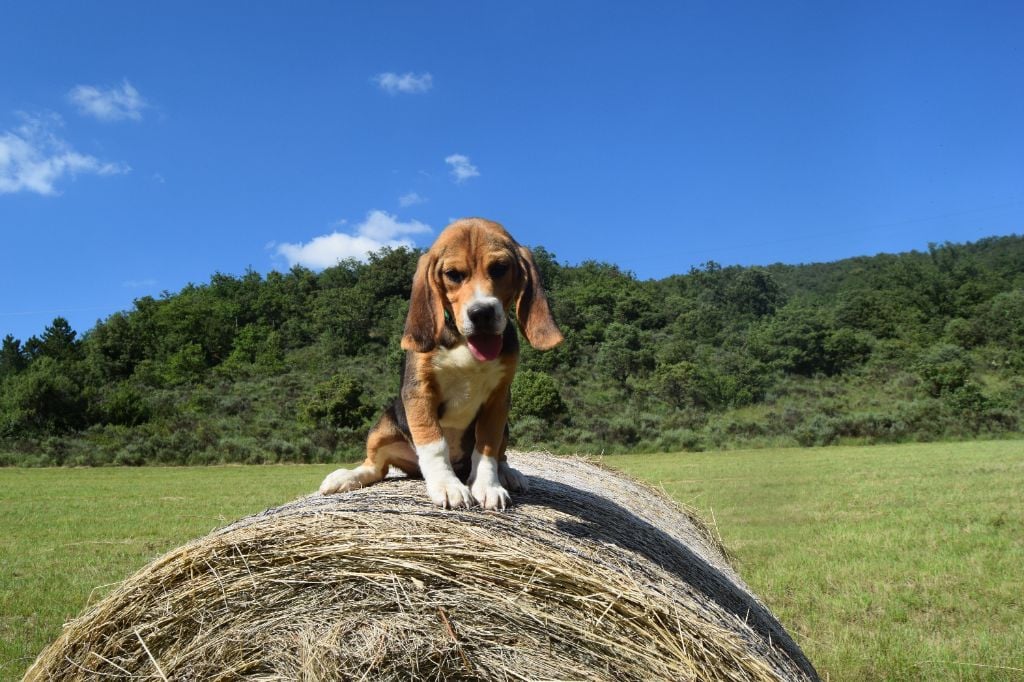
(818, 431)
(122, 404)
(962, 332)
(337, 403)
(676, 440)
(528, 431)
(943, 367)
(725, 379)
(534, 394)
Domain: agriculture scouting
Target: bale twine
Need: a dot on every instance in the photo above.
(592, 576)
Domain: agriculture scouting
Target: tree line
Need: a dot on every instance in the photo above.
(294, 366)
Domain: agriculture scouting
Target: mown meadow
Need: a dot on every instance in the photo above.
(892, 562)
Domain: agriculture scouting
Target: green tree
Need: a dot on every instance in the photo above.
(752, 291)
(117, 345)
(1004, 319)
(256, 347)
(58, 341)
(803, 340)
(186, 365)
(795, 341)
(230, 361)
(535, 394)
(46, 398)
(877, 312)
(365, 304)
(681, 385)
(625, 352)
(200, 316)
(12, 357)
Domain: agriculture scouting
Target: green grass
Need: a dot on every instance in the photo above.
(889, 562)
(885, 563)
(69, 533)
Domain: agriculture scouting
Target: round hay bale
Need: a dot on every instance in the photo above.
(592, 576)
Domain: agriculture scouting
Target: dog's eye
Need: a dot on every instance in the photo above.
(497, 270)
(454, 276)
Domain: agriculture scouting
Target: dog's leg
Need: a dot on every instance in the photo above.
(386, 446)
(432, 451)
(343, 480)
(443, 486)
(491, 439)
(485, 483)
(509, 477)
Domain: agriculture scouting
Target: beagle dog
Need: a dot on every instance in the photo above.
(461, 356)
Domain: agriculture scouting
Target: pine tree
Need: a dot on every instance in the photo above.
(12, 357)
(58, 341)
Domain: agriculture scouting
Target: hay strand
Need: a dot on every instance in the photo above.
(592, 576)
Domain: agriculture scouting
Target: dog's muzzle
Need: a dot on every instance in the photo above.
(484, 316)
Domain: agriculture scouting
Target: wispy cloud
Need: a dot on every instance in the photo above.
(462, 169)
(410, 199)
(33, 158)
(380, 229)
(111, 104)
(406, 83)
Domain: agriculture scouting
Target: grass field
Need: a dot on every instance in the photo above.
(886, 563)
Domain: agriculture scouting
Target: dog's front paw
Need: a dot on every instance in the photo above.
(340, 481)
(491, 495)
(449, 493)
(512, 479)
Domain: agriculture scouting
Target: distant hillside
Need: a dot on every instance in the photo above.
(293, 367)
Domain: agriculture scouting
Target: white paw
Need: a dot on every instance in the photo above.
(491, 496)
(340, 481)
(512, 479)
(449, 493)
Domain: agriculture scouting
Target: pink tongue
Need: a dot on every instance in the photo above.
(485, 346)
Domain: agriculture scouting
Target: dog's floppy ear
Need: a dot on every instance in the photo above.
(425, 320)
(532, 307)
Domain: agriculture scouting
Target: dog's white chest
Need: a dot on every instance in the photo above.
(465, 384)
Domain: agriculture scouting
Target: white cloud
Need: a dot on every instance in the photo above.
(112, 104)
(410, 199)
(380, 229)
(33, 158)
(462, 169)
(407, 83)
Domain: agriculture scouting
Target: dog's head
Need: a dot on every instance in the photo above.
(471, 277)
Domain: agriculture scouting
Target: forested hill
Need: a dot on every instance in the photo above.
(294, 366)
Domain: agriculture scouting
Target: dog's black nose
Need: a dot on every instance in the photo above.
(482, 315)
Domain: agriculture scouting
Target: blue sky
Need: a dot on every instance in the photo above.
(147, 145)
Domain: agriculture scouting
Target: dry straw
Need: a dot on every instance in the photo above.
(592, 576)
